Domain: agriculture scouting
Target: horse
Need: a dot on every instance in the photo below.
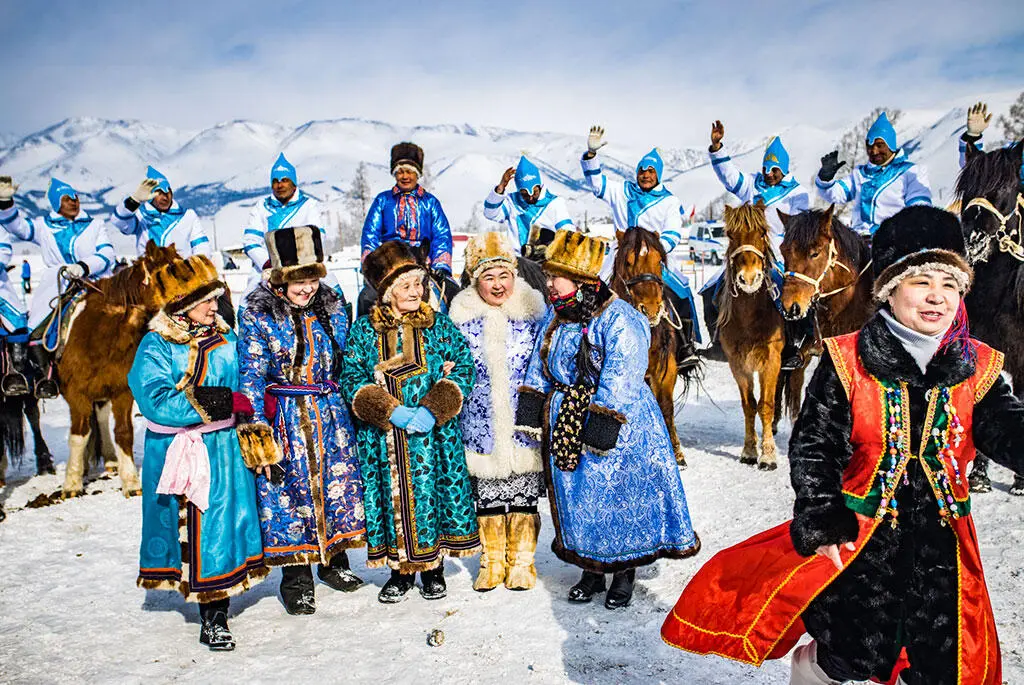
(637, 280)
(105, 332)
(12, 434)
(991, 194)
(825, 267)
(752, 333)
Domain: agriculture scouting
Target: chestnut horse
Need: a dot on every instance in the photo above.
(751, 330)
(93, 366)
(826, 273)
(637, 280)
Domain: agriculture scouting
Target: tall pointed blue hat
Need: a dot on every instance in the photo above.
(164, 186)
(527, 175)
(883, 129)
(652, 160)
(57, 190)
(775, 155)
(283, 169)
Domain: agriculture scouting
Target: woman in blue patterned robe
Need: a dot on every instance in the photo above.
(616, 497)
(291, 341)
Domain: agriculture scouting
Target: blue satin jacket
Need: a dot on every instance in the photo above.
(430, 223)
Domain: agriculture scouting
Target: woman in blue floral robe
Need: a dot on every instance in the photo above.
(407, 370)
(291, 339)
(616, 497)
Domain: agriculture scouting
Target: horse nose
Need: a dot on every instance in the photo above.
(794, 310)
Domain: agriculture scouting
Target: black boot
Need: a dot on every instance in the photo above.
(214, 632)
(44, 464)
(796, 335)
(297, 590)
(621, 592)
(978, 480)
(1018, 485)
(397, 587)
(15, 364)
(714, 351)
(337, 574)
(584, 591)
(433, 584)
(46, 385)
(686, 353)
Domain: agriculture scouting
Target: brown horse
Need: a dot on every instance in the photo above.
(752, 334)
(93, 368)
(826, 272)
(637, 280)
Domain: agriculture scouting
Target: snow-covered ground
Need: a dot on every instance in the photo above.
(70, 611)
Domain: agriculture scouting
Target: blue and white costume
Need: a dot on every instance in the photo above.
(879, 191)
(412, 218)
(177, 226)
(549, 211)
(82, 240)
(12, 310)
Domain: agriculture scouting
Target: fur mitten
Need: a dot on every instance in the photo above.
(258, 446)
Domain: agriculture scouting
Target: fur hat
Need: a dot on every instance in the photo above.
(575, 256)
(915, 240)
(487, 250)
(383, 266)
(296, 254)
(184, 283)
(407, 153)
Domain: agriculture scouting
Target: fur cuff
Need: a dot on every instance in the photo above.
(213, 402)
(258, 446)
(602, 429)
(530, 409)
(814, 528)
(373, 404)
(444, 401)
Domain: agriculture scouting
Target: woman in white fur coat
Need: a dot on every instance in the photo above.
(500, 318)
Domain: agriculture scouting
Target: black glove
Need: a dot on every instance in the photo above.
(215, 400)
(530, 410)
(601, 431)
(830, 166)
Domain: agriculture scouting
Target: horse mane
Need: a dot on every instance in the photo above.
(744, 220)
(633, 241)
(991, 174)
(119, 288)
(804, 229)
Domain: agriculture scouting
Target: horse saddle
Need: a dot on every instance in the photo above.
(53, 331)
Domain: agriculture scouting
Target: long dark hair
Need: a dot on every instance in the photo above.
(592, 296)
(319, 308)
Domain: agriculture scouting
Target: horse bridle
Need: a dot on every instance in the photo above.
(1009, 240)
(662, 314)
(767, 266)
(833, 261)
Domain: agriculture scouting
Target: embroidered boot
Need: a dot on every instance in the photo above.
(397, 587)
(46, 386)
(523, 529)
(620, 594)
(214, 632)
(297, 590)
(433, 585)
(590, 584)
(804, 668)
(337, 575)
(492, 561)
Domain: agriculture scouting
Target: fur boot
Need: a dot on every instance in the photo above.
(492, 561)
(523, 529)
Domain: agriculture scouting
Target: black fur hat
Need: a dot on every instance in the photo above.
(296, 254)
(407, 153)
(918, 239)
(383, 266)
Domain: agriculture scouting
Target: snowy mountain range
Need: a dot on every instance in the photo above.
(223, 170)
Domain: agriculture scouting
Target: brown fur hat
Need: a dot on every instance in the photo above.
(385, 264)
(295, 254)
(575, 256)
(487, 250)
(407, 153)
(184, 283)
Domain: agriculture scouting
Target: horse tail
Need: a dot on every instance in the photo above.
(12, 429)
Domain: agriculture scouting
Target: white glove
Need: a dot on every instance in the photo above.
(595, 141)
(7, 188)
(74, 271)
(146, 190)
(977, 119)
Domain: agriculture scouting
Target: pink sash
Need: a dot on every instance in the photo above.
(187, 464)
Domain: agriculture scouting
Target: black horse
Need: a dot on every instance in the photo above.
(991, 193)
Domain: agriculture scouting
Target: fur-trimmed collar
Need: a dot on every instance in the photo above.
(265, 301)
(525, 304)
(383, 317)
(885, 358)
(171, 331)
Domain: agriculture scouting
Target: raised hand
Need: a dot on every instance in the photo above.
(717, 133)
(595, 140)
(830, 166)
(505, 178)
(7, 188)
(146, 190)
(977, 119)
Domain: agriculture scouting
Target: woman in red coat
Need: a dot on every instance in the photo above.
(880, 563)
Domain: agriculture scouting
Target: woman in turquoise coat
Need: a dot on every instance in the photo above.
(200, 527)
(406, 372)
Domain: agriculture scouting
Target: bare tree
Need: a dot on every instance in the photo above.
(1013, 123)
(359, 197)
(473, 225)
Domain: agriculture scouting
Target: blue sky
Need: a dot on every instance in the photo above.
(659, 68)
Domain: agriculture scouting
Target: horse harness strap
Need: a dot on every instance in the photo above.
(1010, 240)
(833, 261)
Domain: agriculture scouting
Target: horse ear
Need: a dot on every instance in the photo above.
(784, 218)
(826, 220)
(618, 235)
(971, 151)
(759, 203)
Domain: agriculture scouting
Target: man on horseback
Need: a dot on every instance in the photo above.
(531, 210)
(779, 191)
(13, 325)
(646, 203)
(151, 213)
(882, 187)
(74, 246)
(409, 214)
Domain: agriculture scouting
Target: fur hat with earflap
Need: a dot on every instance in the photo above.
(488, 250)
(384, 266)
(407, 154)
(575, 256)
(296, 254)
(184, 283)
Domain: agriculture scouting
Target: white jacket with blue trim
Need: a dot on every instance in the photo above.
(504, 210)
(792, 198)
(179, 227)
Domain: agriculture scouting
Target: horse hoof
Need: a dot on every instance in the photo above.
(748, 460)
(132, 492)
(767, 466)
(69, 494)
(1018, 486)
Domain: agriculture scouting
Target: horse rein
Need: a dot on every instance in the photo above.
(662, 313)
(1010, 240)
(833, 261)
(767, 265)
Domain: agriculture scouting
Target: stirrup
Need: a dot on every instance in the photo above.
(14, 384)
